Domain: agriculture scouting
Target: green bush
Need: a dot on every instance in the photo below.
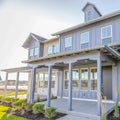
(38, 100)
(116, 112)
(28, 107)
(19, 105)
(38, 108)
(50, 113)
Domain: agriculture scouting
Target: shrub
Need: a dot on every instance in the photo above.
(116, 112)
(50, 112)
(38, 108)
(53, 97)
(38, 100)
(19, 105)
(28, 107)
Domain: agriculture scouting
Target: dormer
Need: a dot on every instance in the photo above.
(34, 45)
(90, 12)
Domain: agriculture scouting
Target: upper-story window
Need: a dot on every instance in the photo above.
(84, 40)
(56, 49)
(50, 50)
(31, 52)
(106, 34)
(53, 49)
(36, 51)
(89, 15)
(68, 43)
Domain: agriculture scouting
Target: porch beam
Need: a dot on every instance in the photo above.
(33, 81)
(17, 83)
(49, 85)
(6, 82)
(70, 87)
(99, 85)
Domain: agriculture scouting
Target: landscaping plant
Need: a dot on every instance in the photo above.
(116, 112)
(38, 100)
(50, 113)
(38, 108)
(28, 107)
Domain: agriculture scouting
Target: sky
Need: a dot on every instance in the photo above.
(43, 17)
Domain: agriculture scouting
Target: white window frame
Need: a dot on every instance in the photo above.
(58, 50)
(88, 37)
(30, 52)
(107, 36)
(92, 79)
(67, 38)
(48, 50)
(84, 79)
(37, 51)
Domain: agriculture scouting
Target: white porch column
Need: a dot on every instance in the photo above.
(6, 82)
(33, 81)
(99, 85)
(17, 82)
(49, 86)
(70, 87)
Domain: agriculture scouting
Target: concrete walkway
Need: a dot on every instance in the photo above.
(72, 117)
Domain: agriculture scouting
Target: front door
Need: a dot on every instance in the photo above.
(107, 82)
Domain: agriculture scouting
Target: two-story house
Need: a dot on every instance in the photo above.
(82, 62)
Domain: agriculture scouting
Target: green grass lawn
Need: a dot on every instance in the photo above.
(5, 116)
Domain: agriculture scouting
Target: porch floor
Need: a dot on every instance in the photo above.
(79, 106)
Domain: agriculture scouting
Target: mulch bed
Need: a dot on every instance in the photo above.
(31, 116)
(111, 116)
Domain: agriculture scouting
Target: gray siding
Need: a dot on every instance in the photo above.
(94, 34)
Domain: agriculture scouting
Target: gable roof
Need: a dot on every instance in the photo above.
(88, 3)
(35, 37)
(88, 23)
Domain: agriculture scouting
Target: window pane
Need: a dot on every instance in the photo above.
(75, 74)
(36, 51)
(68, 42)
(84, 84)
(93, 84)
(106, 32)
(53, 84)
(84, 37)
(46, 77)
(50, 50)
(84, 74)
(56, 49)
(53, 76)
(45, 84)
(75, 84)
(31, 52)
(66, 75)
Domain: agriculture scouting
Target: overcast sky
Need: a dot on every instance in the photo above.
(43, 17)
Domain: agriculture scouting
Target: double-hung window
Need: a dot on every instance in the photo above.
(68, 44)
(41, 83)
(56, 49)
(50, 50)
(84, 40)
(75, 79)
(66, 78)
(84, 79)
(106, 34)
(93, 78)
(36, 51)
(31, 52)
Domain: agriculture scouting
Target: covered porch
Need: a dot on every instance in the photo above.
(85, 108)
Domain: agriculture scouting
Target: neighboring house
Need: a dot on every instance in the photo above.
(83, 62)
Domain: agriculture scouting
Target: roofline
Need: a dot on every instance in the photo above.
(88, 23)
(88, 3)
(69, 53)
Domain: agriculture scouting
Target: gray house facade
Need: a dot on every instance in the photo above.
(81, 62)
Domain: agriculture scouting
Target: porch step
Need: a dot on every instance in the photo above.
(78, 114)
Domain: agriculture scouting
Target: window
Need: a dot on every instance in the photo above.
(53, 80)
(56, 49)
(75, 79)
(89, 15)
(93, 78)
(46, 80)
(41, 84)
(50, 50)
(106, 34)
(84, 39)
(84, 79)
(68, 43)
(36, 51)
(31, 52)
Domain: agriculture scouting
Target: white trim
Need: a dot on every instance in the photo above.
(71, 41)
(81, 37)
